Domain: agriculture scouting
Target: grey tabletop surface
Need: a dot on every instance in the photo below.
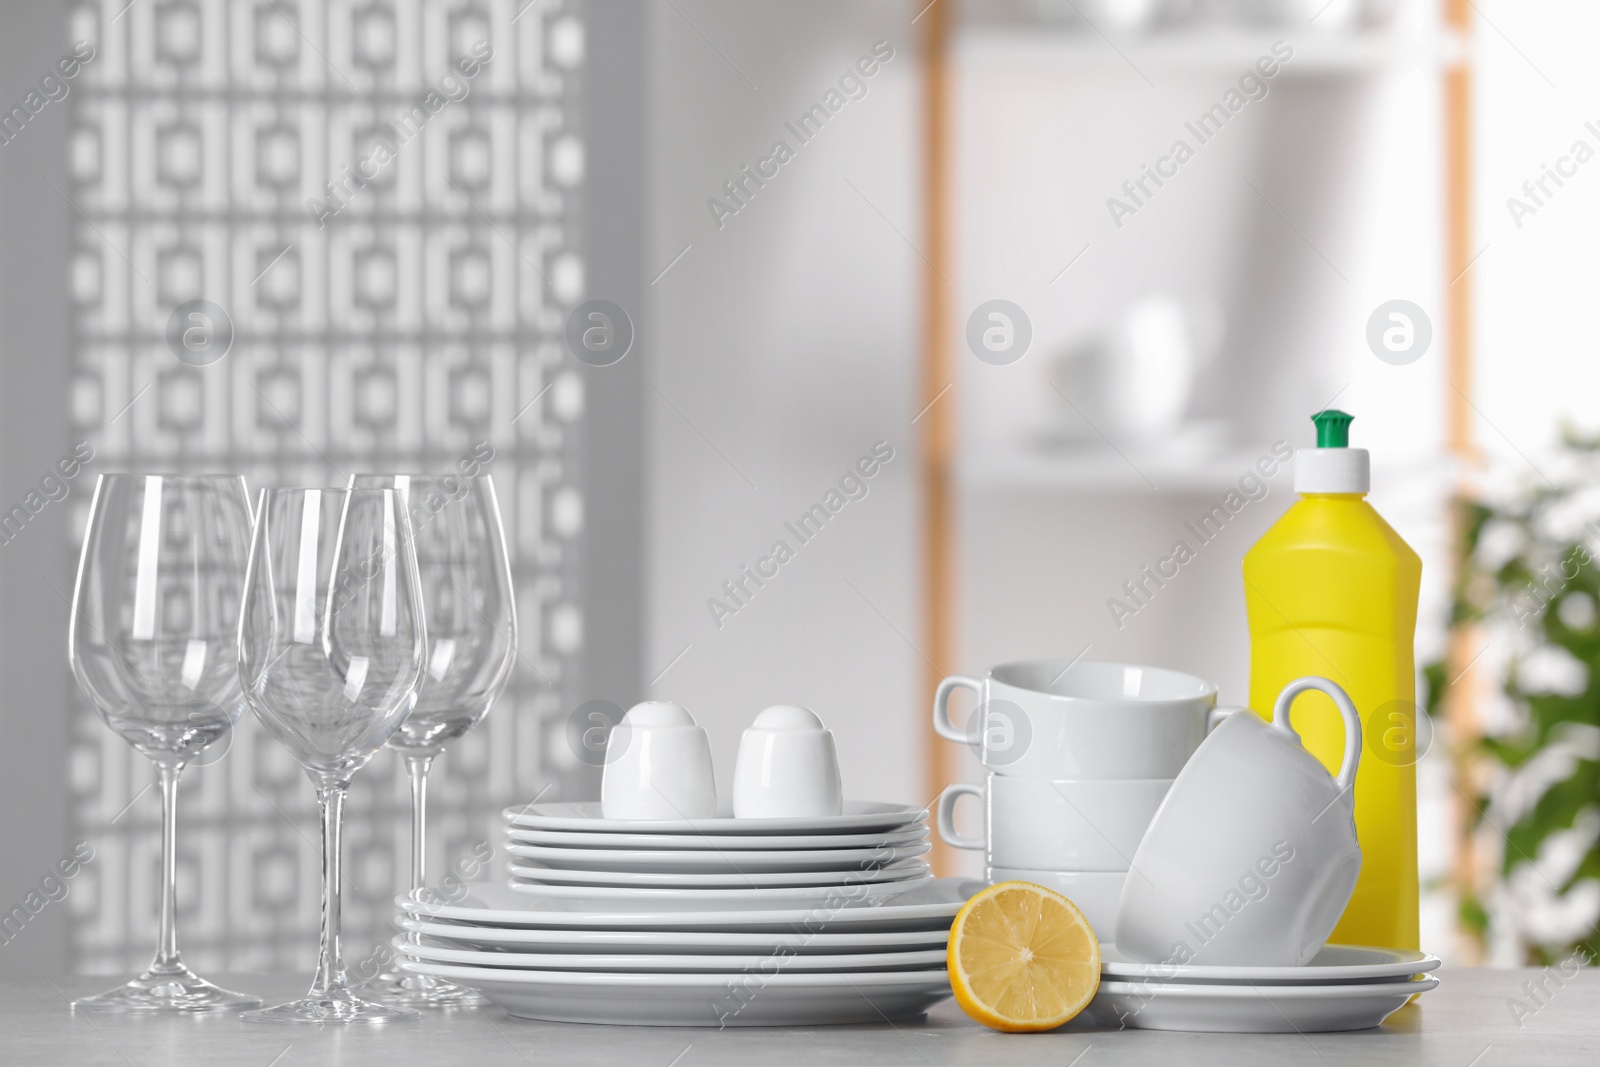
(1469, 1021)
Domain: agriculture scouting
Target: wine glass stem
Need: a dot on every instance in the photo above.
(330, 965)
(418, 766)
(167, 959)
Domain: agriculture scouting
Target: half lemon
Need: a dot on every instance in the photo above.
(1022, 958)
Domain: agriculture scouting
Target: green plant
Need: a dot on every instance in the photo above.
(1527, 601)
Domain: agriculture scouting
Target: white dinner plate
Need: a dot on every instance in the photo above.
(931, 905)
(716, 963)
(641, 898)
(1227, 1009)
(717, 1000)
(702, 861)
(702, 942)
(912, 835)
(859, 816)
(895, 872)
(1333, 965)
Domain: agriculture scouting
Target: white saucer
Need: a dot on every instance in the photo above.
(1334, 964)
(642, 963)
(1235, 1009)
(929, 906)
(705, 861)
(897, 872)
(575, 839)
(702, 942)
(701, 999)
(859, 816)
(637, 898)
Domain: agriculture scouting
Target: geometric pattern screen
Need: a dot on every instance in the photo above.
(376, 202)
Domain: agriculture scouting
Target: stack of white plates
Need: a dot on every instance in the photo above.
(565, 853)
(688, 965)
(1344, 987)
(709, 922)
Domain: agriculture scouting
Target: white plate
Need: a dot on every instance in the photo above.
(701, 999)
(639, 898)
(1280, 1009)
(895, 872)
(705, 943)
(929, 906)
(700, 861)
(1334, 964)
(783, 962)
(584, 815)
(721, 842)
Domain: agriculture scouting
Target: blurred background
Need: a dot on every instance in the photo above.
(802, 213)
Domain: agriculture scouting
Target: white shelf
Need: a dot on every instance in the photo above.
(1132, 470)
(1149, 471)
(1224, 49)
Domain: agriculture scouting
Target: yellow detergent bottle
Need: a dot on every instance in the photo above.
(1331, 589)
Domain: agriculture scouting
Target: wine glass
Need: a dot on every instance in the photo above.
(154, 614)
(331, 643)
(472, 643)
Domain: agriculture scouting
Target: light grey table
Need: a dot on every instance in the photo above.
(1466, 1022)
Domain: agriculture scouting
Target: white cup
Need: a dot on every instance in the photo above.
(1094, 892)
(1062, 825)
(1252, 857)
(658, 766)
(1058, 719)
(788, 767)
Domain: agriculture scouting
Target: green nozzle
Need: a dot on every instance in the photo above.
(1333, 428)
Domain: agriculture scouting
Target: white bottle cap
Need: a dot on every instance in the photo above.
(1332, 470)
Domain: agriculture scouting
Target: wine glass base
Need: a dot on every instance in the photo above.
(175, 990)
(420, 991)
(337, 1007)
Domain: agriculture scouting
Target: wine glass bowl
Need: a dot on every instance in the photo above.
(331, 644)
(158, 586)
(465, 572)
(155, 610)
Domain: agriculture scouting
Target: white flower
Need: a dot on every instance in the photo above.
(1499, 542)
(1576, 611)
(1552, 669)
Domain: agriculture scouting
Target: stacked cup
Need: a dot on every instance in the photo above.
(1080, 754)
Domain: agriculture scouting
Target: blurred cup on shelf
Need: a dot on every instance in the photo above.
(1121, 16)
(1139, 374)
(658, 766)
(788, 767)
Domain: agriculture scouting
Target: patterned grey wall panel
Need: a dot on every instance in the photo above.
(392, 238)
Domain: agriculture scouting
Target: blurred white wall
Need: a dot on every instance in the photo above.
(1534, 283)
(784, 345)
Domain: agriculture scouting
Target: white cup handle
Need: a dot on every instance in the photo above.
(1215, 716)
(1347, 711)
(941, 707)
(945, 812)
